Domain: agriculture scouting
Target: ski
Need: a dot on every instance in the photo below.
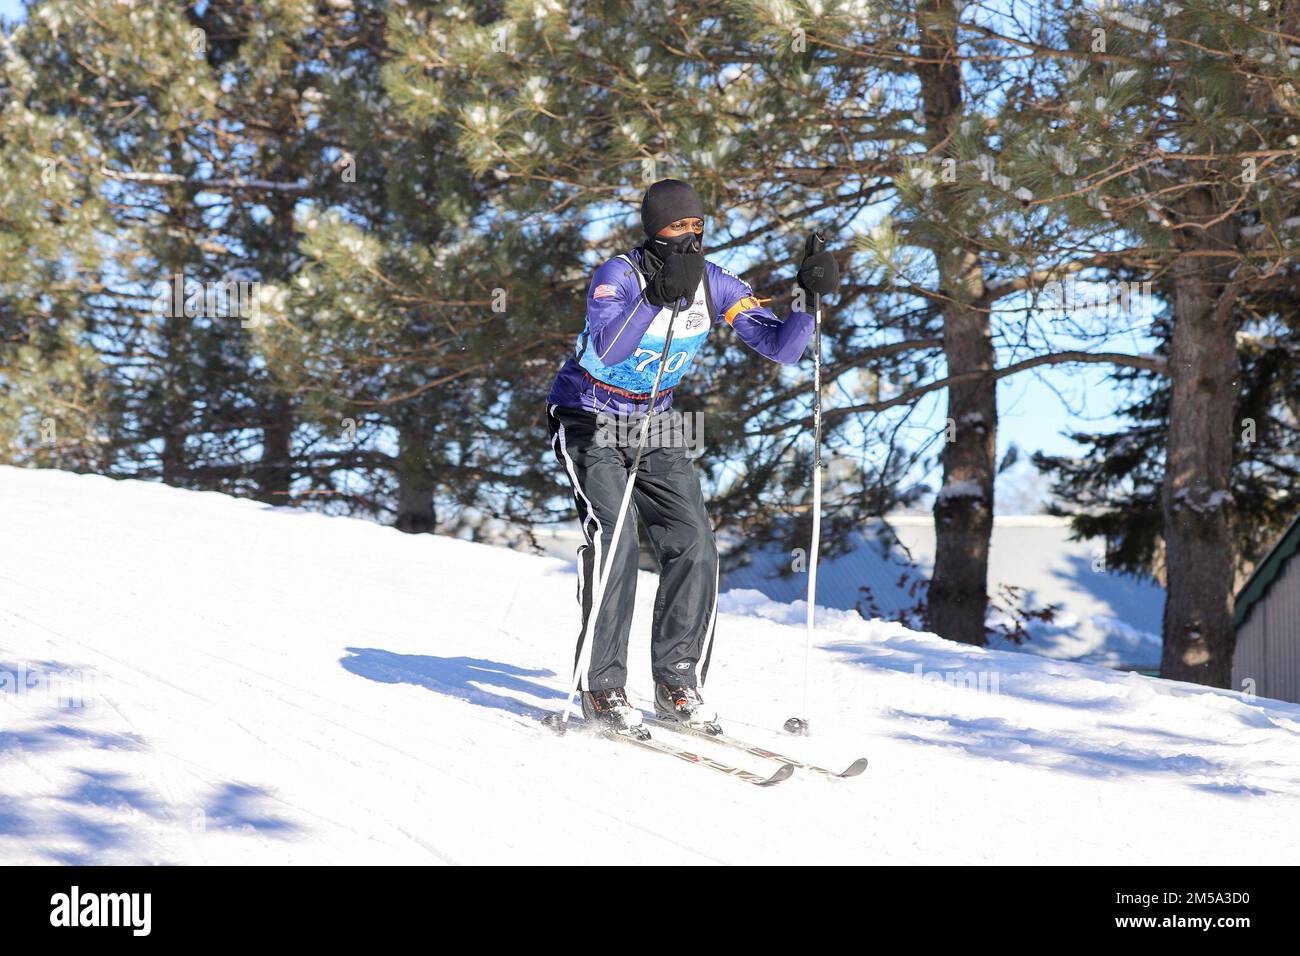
(784, 772)
(853, 769)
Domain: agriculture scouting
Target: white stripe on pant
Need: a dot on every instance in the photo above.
(591, 515)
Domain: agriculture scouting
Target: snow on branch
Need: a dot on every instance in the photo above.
(205, 185)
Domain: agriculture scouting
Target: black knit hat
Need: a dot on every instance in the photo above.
(667, 201)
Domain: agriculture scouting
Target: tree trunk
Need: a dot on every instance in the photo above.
(1200, 557)
(415, 483)
(275, 469)
(175, 404)
(174, 408)
(963, 511)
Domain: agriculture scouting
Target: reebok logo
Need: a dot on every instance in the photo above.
(102, 909)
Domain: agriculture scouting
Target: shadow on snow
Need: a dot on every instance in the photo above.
(96, 817)
(470, 679)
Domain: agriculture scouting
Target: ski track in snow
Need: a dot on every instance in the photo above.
(266, 685)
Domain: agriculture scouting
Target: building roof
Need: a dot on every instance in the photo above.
(1266, 572)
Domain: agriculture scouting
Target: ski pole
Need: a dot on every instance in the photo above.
(799, 725)
(584, 657)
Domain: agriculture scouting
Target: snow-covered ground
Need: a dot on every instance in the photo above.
(190, 678)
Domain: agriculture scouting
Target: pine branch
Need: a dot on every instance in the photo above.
(205, 185)
(1151, 363)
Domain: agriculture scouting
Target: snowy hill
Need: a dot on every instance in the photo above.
(265, 685)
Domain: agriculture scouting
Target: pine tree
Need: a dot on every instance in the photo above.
(414, 316)
(55, 398)
(1188, 149)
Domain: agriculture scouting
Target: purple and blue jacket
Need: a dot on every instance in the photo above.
(613, 367)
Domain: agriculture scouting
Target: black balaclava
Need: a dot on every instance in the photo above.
(665, 202)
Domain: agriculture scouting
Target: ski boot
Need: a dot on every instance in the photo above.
(612, 712)
(684, 705)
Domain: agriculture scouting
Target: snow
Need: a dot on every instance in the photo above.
(1199, 501)
(962, 489)
(266, 685)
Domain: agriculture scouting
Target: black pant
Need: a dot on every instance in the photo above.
(668, 499)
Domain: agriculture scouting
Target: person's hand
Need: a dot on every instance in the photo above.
(819, 272)
(679, 276)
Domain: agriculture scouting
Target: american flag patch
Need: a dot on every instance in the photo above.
(604, 291)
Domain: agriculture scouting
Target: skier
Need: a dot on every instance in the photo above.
(612, 371)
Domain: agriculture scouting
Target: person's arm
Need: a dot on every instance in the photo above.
(617, 312)
(757, 325)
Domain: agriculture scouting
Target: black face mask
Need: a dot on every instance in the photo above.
(664, 246)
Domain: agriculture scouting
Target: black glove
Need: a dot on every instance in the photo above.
(819, 272)
(679, 276)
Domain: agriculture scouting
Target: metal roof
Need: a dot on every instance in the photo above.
(1266, 572)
